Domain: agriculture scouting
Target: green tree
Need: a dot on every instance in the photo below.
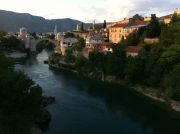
(175, 19)
(153, 69)
(98, 26)
(3, 33)
(104, 24)
(170, 57)
(70, 58)
(34, 35)
(79, 45)
(134, 71)
(52, 36)
(82, 27)
(137, 17)
(11, 43)
(69, 35)
(154, 28)
(170, 35)
(82, 65)
(20, 100)
(97, 59)
(172, 84)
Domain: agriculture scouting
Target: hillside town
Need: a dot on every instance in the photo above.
(100, 37)
(110, 71)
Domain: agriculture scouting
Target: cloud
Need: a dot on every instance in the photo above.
(88, 10)
(113, 10)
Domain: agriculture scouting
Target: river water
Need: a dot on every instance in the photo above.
(85, 106)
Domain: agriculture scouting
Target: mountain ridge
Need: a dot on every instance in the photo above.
(11, 22)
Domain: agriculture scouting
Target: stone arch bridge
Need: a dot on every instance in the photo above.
(32, 43)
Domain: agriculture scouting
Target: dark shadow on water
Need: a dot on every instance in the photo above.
(126, 103)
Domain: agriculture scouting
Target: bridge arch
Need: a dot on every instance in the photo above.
(46, 39)
(34, 43)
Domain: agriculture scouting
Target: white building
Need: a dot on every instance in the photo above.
(66, 43)
(22, 33)
(93, 41)
(177, 11)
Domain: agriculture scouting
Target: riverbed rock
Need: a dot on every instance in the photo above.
(110, 78)
(43, 119)
(46, 62)
(35, 130)
(47, 100)
(175, 105)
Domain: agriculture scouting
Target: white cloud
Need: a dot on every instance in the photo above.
(85, 10)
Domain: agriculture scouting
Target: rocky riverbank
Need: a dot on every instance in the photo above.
(16, 55)
(146, 91)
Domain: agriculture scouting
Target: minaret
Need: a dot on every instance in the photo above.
(77, 27)
(55, 32)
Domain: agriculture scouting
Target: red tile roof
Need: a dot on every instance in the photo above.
(133, 49)
(139, 22)
(167, 17)
(106, 44)
(119, 25)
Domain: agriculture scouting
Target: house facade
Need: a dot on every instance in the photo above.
(119, 31)
(133, 51)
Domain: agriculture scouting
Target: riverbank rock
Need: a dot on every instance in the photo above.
(47, 100)
(175, 105)
(35, 130)
(110, 78)
(46, 62)
(16, 55)
(43, 119)
(150, 92)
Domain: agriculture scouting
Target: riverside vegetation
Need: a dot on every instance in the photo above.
(158, 67)
(22, 106)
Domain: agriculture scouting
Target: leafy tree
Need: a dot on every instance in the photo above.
(52, 36)
(45, 45)
(134, 71)
(11, 43)
(170, 57)
(104, 24)
(20, 100)
(98, 26)
(153, 29)
(153, 69)
(115, 62)
(137, 17)
(79, 45)
(170, 35)
(172, 84)
(82, 65)
(69, 35)
(82, 26)
(97, 59)
(175, 19)
(70, 58)
(34, 35)
(2, 33)
(132, 39)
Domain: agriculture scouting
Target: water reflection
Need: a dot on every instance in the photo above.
(85, 106)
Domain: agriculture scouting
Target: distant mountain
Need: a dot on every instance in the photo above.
(11, 22)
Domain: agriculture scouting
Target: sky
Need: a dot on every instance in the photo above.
(88, 10)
